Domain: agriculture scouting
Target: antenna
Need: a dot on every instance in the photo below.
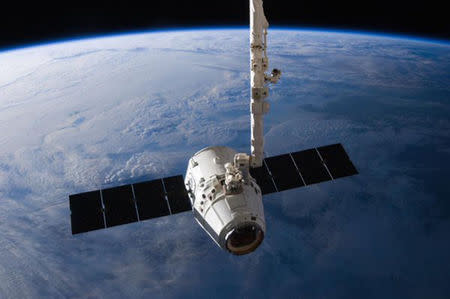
(259, 79)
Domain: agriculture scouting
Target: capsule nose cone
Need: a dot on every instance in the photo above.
(244, 239)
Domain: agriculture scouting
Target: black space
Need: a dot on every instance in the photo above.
(23, 23)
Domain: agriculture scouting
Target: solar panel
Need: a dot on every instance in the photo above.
(284, 172)
(119, 205)
(150, 199)
(337, 160)
(156, 198)
(311, 166)
(176, 194)
(128, 203)
(263, 178)
(302, 168)
(86, 212)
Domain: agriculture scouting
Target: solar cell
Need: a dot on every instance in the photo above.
(284, 172)
(119, 205)
(263, 178)
(310, 166)
(128, 203)
(86, 212)
(177, 194)
(337, 160)
(150, 199)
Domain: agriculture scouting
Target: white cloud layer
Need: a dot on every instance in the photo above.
(82, 115)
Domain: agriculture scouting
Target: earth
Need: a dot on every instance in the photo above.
(87, 114)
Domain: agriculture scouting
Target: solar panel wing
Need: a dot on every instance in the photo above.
(263, 179)
(337, 160)
(150, 199)
(284, 172)
(311, 166)
(119, 205)
(86, 212)
(177, 194)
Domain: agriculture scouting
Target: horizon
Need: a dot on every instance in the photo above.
(379, 34)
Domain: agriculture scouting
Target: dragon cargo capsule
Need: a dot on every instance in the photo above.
(226, 200)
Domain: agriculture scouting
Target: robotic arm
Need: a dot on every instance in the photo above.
(238, 172)
(259, 79)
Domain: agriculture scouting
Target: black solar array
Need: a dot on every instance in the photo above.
(302, 168)
(311, 166)
(176, 194)
(128, 203)
(87, 212)
(151, 199)
(262, 176)
(119, 205)
(146, 200)
(337, 160)
(284, 172)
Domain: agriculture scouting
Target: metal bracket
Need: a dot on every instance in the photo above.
(260, 93)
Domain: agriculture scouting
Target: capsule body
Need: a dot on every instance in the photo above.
(234, 220)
